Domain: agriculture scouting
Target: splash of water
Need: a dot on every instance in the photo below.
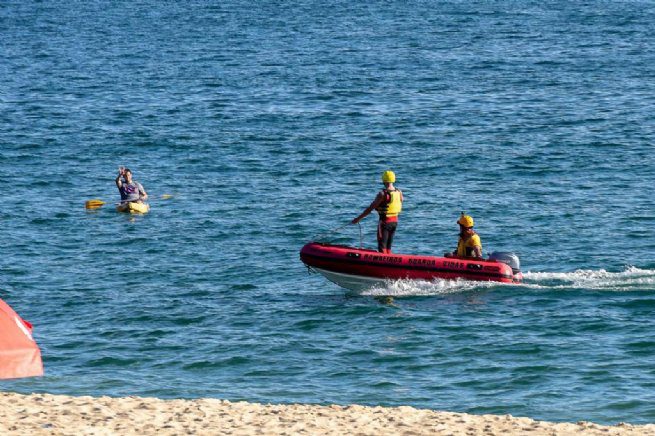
(401, 288)
(631, 279)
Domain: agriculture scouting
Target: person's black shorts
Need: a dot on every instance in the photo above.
(385, 235)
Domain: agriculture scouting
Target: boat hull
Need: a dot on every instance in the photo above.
(357, 269)
(132, 207)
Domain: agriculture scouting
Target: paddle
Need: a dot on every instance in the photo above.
(96, 203)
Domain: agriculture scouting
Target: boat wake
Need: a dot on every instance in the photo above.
(631, 279)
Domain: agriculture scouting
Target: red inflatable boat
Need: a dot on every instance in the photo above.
(357, 268)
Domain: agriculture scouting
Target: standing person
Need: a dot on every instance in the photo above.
(469, 244)
(131, 190)
(388, 203)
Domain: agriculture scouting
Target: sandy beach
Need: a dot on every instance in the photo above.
(46, 414)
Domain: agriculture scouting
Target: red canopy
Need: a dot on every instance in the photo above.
(19, 354)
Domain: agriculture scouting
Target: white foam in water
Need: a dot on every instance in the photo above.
(632, 279)
(399, 288)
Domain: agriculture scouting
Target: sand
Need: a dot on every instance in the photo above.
(44, 414)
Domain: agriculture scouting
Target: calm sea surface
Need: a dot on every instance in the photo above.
(270, 122)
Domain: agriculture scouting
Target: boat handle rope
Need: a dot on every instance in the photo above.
(338, 229)
(360, 235)
(335, 230)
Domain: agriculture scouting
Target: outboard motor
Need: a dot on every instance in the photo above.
(508, 258)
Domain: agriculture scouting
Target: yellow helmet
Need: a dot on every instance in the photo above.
(388, 177)
(465, 220)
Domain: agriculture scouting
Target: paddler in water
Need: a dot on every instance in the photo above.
(469, 244)
(131, 191)
(388, 203)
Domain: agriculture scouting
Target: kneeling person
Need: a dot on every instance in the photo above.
(469, 244)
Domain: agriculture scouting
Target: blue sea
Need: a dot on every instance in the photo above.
(270, 122)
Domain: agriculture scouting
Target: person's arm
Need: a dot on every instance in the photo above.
(477, 248)
(119, 181)
(143, 195)
(452, 253)
(378, 200)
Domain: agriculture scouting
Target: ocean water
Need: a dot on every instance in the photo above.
(271, 122)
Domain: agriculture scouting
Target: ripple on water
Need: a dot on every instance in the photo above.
(524, 118)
